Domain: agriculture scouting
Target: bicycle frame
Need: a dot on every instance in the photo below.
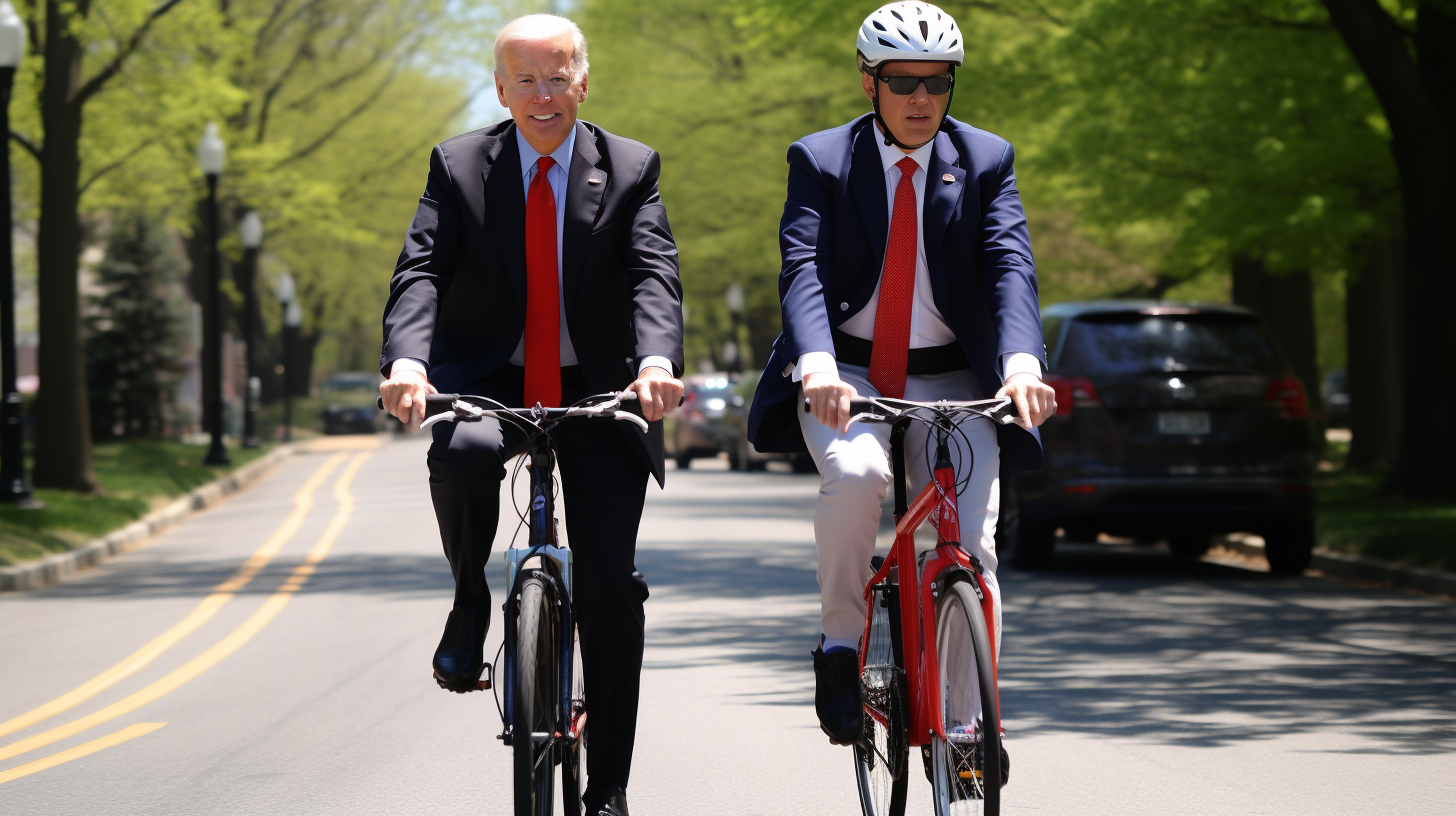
(556, 567)
(920, 585)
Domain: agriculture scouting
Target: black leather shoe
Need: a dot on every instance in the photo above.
(836, 695)
(616, 805)
(458, 659)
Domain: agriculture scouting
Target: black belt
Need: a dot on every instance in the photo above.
(923, 361)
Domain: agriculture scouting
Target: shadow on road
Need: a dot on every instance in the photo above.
(1133, 643)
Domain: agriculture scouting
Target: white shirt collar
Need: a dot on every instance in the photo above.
(562, 154)
(891, 155)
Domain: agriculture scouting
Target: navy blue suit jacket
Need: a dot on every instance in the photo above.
(832, 238)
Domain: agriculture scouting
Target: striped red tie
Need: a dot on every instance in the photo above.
(890, 352)
(543, 295)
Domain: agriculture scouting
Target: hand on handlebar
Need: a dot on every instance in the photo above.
(1035, 401)
(403, 395)
(828, 398)
(658, 392)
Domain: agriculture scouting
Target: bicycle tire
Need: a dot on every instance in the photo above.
(881, 756)
(573, 758)
(536, 699)
(962, 764)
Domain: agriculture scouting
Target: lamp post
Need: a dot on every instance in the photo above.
(292, 319)
(14, 489)
(732, 356)
(210, 155)
(250, 229)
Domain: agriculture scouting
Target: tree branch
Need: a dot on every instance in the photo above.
(108, 168)
(30, 147)
(344, 120)
(95, 84)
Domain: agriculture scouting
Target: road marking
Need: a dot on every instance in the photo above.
(130, 732)
(234, 640)
(221, 594)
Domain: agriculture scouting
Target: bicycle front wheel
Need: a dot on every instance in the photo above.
(881, 754)
(573, 760)
(966, 768)
(536, 700)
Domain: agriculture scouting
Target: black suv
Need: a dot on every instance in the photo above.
(1173, 421)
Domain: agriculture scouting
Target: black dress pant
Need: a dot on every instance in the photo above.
(604, 483)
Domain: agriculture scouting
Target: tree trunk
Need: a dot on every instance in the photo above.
(1286, 303)
(63, 420)
(1417, 92)
(1375, 339)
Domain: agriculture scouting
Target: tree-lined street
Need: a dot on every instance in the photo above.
(1131, 683)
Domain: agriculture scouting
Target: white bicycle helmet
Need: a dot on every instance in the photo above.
(909, 31)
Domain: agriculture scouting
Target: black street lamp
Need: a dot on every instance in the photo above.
(732, 353)
(14, 489)
(250, 229)
(210, 155)
(292, 319)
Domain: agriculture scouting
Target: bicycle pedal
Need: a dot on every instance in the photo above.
(484, 682)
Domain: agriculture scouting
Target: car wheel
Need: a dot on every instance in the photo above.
(1022, 544)
(1290, 546)
(804, 463)
(1188, 543)
(735, 457)
(752, 465)
(684, 461)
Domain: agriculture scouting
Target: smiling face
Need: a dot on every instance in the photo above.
(912, 119)
(535, 80)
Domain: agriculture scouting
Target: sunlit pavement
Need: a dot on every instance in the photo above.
(298, 682)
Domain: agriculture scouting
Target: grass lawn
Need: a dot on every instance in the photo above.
(136, 477)
(1350, 518)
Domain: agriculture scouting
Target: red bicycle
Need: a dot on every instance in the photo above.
(928, 655)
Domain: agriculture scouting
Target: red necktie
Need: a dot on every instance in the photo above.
(543, 295)
(890, 352)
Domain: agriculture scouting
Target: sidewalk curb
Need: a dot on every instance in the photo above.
(1343, 565)
(56, 568)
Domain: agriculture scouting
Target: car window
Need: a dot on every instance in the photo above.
(1051, 332)
(1130, 343)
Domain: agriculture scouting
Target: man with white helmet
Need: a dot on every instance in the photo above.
(907, 272)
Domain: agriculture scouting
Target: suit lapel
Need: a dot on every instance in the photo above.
(585, 186)
(945, 184)
(867, 185)
(505, 206)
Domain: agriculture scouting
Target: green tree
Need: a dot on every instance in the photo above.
(134, 332)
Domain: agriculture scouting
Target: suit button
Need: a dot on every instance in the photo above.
(844, 307)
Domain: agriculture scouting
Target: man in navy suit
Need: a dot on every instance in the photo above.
(907, 272)
(540, 269)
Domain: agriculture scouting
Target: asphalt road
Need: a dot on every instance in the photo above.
(271, 656)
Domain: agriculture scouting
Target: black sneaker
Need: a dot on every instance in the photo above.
(971, 764)
(836, 695)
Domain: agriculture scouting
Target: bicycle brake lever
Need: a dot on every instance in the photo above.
(631, 417)
(448, 416)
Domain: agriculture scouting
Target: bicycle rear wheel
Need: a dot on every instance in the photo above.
(966, 768)
(882, 752)
(573, 759)
(536, 699)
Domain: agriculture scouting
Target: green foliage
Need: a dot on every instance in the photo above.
(134, 332)
(1351, 517)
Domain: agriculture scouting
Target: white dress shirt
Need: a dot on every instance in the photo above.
(927, 326)
(557, 177)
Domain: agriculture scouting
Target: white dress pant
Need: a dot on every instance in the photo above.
(855, 471)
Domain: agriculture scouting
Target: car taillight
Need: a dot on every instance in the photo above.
(1073, 392)
(1287, 394)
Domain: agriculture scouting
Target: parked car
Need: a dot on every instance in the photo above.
(349, 403)
(701, 428)
(743, 456)
(1173, 421)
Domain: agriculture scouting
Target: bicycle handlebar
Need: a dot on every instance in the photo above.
(455, 407)
(1001, 411)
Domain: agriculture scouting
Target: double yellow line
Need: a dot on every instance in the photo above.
(223, 593)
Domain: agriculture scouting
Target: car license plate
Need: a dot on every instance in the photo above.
(1184, 423)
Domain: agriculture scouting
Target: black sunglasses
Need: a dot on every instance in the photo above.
(906, 85)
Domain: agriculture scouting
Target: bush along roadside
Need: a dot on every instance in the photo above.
(1351, 518)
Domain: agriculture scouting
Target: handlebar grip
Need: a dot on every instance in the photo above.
(439, 403)
(856, 406)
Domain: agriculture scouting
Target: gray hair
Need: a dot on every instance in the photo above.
(544, 26)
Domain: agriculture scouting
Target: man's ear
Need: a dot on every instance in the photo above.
(867, 82)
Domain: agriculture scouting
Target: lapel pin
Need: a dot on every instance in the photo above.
(947, 178)
(594, 180)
